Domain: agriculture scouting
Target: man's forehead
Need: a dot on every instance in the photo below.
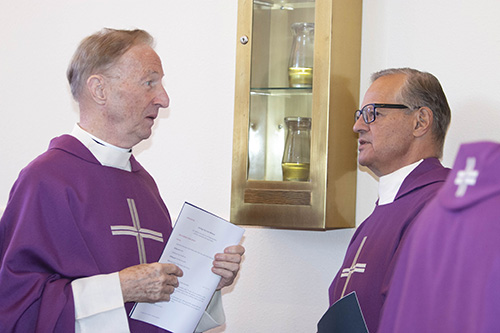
(141, 58)
(385, 89)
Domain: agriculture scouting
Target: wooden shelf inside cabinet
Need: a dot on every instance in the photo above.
(263, 98)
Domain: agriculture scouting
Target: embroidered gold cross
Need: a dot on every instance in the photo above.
(137, 231)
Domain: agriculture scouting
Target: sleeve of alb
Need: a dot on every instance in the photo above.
(99, 304)
(214, 314)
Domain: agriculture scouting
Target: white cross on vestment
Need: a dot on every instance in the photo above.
(355, 267)
(466, 177)
(136, 231)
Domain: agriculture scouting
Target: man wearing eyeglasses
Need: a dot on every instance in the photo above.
(401, 127)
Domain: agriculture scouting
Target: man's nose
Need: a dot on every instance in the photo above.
(360, 125)
(162, 98)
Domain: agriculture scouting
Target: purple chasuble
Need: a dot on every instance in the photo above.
(69, 217)
(368, 262)
(447, 277)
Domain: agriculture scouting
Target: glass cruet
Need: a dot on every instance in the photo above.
(295, 163)
(300, 66)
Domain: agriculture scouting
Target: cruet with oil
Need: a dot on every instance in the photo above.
(295, 163)
(300, 66)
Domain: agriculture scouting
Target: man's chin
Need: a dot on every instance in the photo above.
(363, 160)
(146, 134)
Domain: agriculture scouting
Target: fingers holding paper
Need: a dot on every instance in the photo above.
(227, 264)
(149, 282)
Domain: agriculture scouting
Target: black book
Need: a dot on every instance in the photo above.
(344, 316)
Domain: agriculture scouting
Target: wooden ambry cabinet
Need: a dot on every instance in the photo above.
(265, 95)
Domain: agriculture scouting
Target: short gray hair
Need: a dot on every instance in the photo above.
(423, 89)
(99, 52)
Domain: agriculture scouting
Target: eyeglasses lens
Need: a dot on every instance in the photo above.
(369, 113)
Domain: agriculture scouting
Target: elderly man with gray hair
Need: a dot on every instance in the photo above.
(85, 223)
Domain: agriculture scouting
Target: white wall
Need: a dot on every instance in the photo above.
(285, 275)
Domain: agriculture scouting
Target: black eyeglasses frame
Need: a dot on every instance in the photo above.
(363, 111)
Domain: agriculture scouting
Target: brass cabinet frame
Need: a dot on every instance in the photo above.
(327, 201)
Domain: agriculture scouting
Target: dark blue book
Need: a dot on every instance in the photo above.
(344, 316)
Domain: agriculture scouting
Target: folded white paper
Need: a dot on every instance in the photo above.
(197, 236)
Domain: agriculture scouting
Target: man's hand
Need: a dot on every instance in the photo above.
(227, 264)
(149, 283)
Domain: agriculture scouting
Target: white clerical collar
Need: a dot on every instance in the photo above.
(105, 153)
(388, 185)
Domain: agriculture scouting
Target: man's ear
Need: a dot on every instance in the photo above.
(423, 121)
(96, 88)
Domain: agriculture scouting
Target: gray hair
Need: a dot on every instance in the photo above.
(423, 89)
(99, 52)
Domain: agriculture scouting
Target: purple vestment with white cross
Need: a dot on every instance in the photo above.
(447, 277)
(368, 262)
(69, 217)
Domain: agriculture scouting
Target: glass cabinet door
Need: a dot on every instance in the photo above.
(282, 54)
(296, 90)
